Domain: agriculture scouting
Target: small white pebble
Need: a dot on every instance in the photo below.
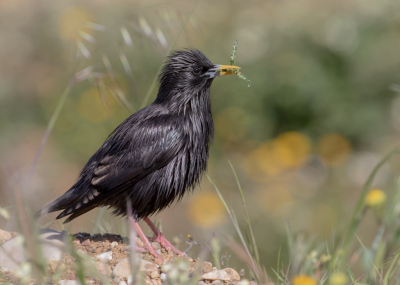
(68, 282)
(114, 244)
(130, 279)
(116, 280)
(105, 257)
(163, 276)
(122, 283)
(158, 251)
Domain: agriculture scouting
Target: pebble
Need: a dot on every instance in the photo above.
(156, 245)
(68, 282)
(163, 276)
(123, 268)
(227, 274)
(5, 236)
(103, 268)
(205, 267)
(13, 252)
(105, 257)
(114, 244)
(149, 281)
(86, 242)
(56, 265)
(139, 242)
(122, 283)
(154, 274)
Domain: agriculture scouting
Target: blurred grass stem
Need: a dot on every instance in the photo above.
(49, 128)
(153, 84)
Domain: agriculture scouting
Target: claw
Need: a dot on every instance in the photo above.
(161, 238)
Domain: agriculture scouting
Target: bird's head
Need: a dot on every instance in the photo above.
(187, 73)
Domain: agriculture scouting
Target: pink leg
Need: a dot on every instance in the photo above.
(161, 238)
(144, 238)
(140, 249)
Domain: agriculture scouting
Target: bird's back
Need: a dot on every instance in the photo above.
(152, 158)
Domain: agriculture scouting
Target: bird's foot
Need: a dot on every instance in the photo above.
(146, 242)
(154, 253)
(160, 238)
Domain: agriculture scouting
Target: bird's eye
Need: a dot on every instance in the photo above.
(196, 70)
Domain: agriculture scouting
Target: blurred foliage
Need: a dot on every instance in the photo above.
(322, 108)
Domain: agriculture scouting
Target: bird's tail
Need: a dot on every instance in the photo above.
(61, 203)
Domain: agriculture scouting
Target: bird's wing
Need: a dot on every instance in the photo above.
(119, 164)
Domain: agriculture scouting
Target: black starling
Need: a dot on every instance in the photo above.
(156, 154)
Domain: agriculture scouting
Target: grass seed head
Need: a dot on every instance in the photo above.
(232, 61)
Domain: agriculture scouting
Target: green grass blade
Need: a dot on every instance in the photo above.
(357, 214)
(387, 275)
(253, 239)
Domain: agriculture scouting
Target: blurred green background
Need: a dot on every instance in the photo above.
(322, 109)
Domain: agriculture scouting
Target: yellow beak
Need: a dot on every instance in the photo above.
(221, 70)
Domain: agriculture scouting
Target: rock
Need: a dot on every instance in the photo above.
(205, 267)
(148, 266)
(227, 274)
(114, 244)
(13, 252)
(56, 265)
(156, 245)
(103, 268)
(86, 242)
(139, 242)
(123, 268)
(233, 275)
(6, 236)
(245, 282)
(149, 281)
(105, 257)
(217, 282)
(154, 274)
(163, 276)
(68, 282)
(122, 283)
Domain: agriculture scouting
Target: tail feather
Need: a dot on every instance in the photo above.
(61, 203)
(75, 214)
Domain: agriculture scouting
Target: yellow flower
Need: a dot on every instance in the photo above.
(303, 280)
(293, 148)
(206, 210)
(375, 198)
(289, 150)
(338, 278)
